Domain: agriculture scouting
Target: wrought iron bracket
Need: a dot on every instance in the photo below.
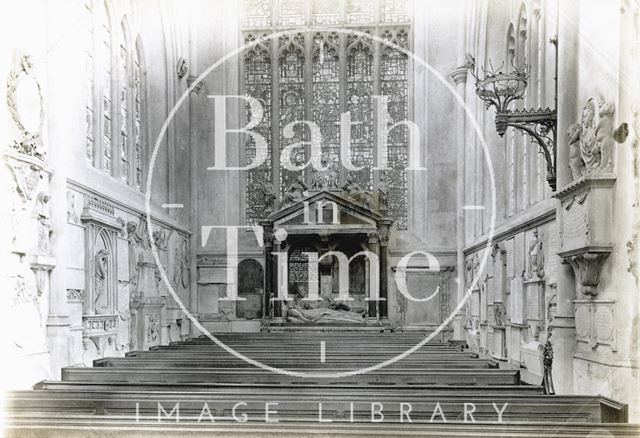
(541, 126)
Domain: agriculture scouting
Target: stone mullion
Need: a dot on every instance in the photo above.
(377, 52)
(308, 91)
(275, 113)
(342, 87)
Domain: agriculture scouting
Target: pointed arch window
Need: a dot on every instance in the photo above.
(318, 76)
(123, 83)
(115, 96)
(138, 111)
(89, 81)
(107, 108)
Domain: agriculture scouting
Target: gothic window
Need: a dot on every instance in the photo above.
(89, 81)
(511, 138)
(138, 105)
(107, 116)
(523, 141)
(124, 102)
(317, 76)
(114, 96)
(360, 106)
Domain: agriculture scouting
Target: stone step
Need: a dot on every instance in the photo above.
(41, 425)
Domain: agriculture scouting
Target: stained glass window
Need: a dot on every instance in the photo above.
(138, 95)
(89, 82)
(393, 84)
(359, 104)
(292, 99)
(291, 12)
(257, 13)
(318, 75)
(107, 127)
(326, 12)
(360, 11)
(326, 92)
(257, 84)
(124, 105)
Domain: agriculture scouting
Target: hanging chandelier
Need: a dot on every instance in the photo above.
(499, 89)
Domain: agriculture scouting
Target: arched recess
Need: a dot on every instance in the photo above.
(358, 271)
(103, 294)
(251, 288)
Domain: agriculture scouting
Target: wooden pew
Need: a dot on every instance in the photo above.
(345, 364)
(222, 375)
(300, 407)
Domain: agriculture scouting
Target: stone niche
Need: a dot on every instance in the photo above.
(100, 300)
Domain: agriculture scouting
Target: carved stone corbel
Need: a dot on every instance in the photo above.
(587, 267)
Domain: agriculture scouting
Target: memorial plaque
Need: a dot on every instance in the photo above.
(516, 300)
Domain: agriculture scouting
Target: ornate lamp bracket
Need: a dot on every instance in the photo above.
(541, 126)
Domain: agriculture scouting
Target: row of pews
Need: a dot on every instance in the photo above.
(197, 387)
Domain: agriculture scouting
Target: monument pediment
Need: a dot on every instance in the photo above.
(325, 210)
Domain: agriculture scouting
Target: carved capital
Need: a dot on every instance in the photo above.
(459, 74)
(587, 265)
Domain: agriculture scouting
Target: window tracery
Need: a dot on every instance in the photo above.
(319, 75)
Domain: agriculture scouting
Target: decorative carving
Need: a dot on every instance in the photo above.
(587, 266)
(160, 239)
(23, 90)
(152, 328)
(576, 164)
(328, 311)
(27, 175)
(42, 212)
(498, 314)
(101, 263)
(295, 192)
(99, 325)
(536, 257)
(383, 194)
(326, 179)
(99, 205)
(181, 265)
(75, 295)
(182, 68)
(596, 138)
(270, 198)
(72, 213)
(352, 190)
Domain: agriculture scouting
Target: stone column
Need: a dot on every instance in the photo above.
(268, 271)
(563, 325)
(459, 76)
(383, 233)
